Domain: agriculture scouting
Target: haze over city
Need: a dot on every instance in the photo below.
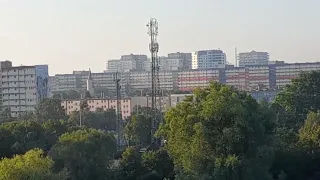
(78, 34)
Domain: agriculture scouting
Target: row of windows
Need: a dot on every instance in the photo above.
(21, 100)
(15, 76)
(15, 82)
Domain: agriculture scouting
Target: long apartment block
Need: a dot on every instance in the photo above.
(272, 76)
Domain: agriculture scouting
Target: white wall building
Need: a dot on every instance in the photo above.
(253, 58)
(113, 65)
(23, 87)
(208, 59)
(127, 63)
(184, 60)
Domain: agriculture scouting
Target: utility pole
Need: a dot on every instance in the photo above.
(155, 83)
(118, 111)
(80, 111)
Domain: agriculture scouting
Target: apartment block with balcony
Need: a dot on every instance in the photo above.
(271, 76)
(23, 87)
(207, 59)
(127, 63)
(253, 58)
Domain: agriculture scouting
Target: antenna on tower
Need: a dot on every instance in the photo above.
(155, 83)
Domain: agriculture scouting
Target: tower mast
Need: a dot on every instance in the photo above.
(154, 48)
(118, 109)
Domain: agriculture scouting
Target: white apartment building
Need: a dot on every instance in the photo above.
(253, 58)
(208, 59)
(142, 80)
(78, 81)
(23, 87)
(113, 65)
(127, 63)
(181, 61)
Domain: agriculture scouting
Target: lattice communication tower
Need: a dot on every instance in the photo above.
(155, 82)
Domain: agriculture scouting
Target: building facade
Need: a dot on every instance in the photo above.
(208, 59)
(103, 103)
(128, 63)
(181, 61)
(253, 58)
(248, 78)
(23, 87)
(127, 104)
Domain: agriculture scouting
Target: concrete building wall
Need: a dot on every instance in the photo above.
(23, 87)
(253, 58)
(245, 78)
(208, 59)
(105, 104)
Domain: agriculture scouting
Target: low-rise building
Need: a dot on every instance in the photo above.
(103, 103)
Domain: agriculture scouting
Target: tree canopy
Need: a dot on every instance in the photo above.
(220, 133)
(32, 165)
(85, 153)
(297, 99)
(49, 109)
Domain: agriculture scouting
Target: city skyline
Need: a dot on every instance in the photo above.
(86, 34)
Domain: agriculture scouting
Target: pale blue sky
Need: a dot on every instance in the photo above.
(78, 34)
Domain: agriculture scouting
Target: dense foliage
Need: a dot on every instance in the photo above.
(219, 133)
(32, 165)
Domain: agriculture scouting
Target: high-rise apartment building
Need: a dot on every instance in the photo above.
(253, 58)
(208, 59)
(128, 63)
(23, 87)
(183, 61)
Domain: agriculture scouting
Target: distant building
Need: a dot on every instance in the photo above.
(93, 104)
(113, 65)
(253, 58)
(271, 76)
(182, 60)
(267, 95)
(208, 59)
(90, 88)
(128, 63)
(23, 87)
(276, 62)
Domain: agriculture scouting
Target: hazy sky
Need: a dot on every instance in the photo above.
(77, 34)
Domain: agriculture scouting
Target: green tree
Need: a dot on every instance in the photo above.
(302, 160)
(137, 130)
(220, 133)
(73, 94)
(296, 100)
(30, 166)
(105, 120)
(130, 167)
(5, 115)
(19, 137)
(292, 106)
(159, 162)
(54, 129)
(85, 153)
(50, 109)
